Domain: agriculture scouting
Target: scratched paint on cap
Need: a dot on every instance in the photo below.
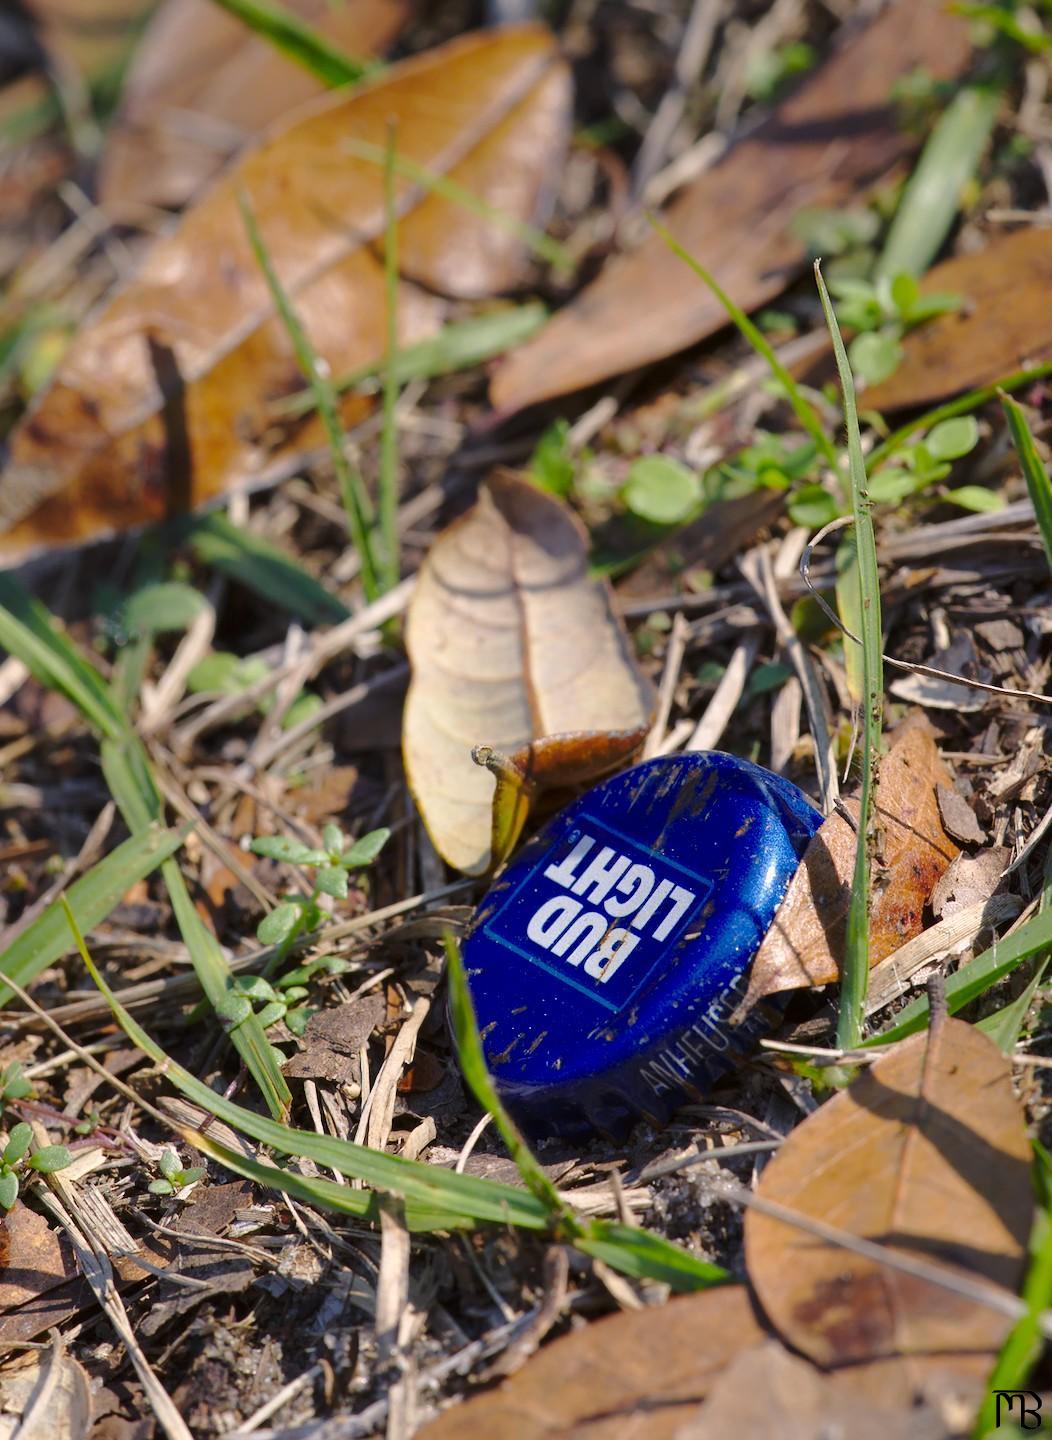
(606, 961)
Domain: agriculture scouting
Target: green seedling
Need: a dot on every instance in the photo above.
(299, 914)
(222, 673)
(927, 462)
(769, 72)
(881, 312)
(173, 1177)
(552, 465)
(13, 1085)
(773, 462)
(17, 1157)
(661, 491)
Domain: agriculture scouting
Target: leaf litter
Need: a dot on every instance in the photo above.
(276, 1304)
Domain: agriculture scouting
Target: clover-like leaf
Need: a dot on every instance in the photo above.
(283, 847)
(233, 1009)
(365, 850)
(49, 1158)
(19, 1141)
(276, 927)
(332, 881)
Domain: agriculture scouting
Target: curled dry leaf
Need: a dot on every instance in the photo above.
(766, 1381)
(806, 940)
(202, 84)
(823, 147)
(489, 111)
(1003, 325)
(927, 1153)
(632, 1376)
(36, 1260)
(50, 1399)
(513, 646)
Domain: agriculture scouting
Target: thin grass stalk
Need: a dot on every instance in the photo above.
(855, 975)
(802, 408)
(293, 37)
(352, 487)
(1034, 472)
(962, 405)
(389, 431)
(540, 244)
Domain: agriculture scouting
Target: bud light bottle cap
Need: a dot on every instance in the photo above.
(607, 959)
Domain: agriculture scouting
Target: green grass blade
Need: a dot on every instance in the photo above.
(856, 951)
(627, 1248)
(962, 405)
(1037, 479)
(352, 488)
(28, 632)
(91, 899)
(976, 977)
(467, 1196)
(1025, 1342)
(848, 606)
(289, 34)
(933, 192)
(459, 346)
(536, 241)
(127, 771)
(363, 1204)
(388, 478)
(1004, 1026)
(480, 1082)
(264, 569)
(801, 406)
(645, 1256)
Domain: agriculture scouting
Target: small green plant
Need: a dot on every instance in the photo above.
(222, 673)
(298, 914)
(173, 1177)
(552, 464)
(661, 491)
(773, 462)
(16, 1158)
(881, 312)
(927, 462)
(834, 233)
(13, 1084)
(770, 71)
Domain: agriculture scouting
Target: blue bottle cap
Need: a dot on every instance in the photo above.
(605, 961)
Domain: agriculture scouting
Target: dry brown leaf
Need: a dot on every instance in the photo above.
(632, 1376)
(806, 939)
(515, 647)
(927, 1152)
(1003, 326)
(827, 144)
(202, 84)
(489, 110)
(37, 1260)
(49, 1399)
(766, 1381)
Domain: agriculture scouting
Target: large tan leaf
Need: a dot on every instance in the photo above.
(805, 943)
(632, 1376)
(488, 110)
(823, 147)
(1003, 325)
(511, 644)
(766, 1381)
(49, 1399)
(927, 1152)
(202, 84)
